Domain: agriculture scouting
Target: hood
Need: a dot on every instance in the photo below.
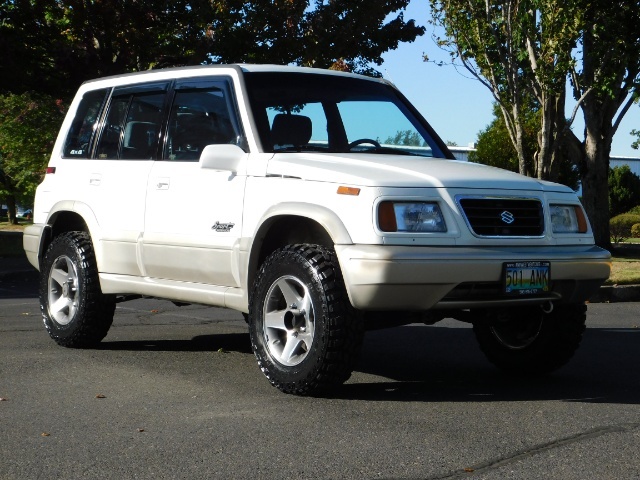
(376, 170)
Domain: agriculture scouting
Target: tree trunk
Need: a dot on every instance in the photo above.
(595, 172)
(545, 138)
(11, 209)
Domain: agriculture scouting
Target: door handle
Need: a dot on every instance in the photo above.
(162, 184)
(95, 179)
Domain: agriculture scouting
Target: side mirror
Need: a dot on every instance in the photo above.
(224, 157)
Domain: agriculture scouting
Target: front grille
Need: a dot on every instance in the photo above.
(504, 217)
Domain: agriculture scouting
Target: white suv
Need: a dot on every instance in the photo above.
(318, 203)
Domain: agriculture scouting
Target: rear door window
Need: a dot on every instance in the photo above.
(133, 123)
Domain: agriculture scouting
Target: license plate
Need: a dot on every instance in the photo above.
(526, 278)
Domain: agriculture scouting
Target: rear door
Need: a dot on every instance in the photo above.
(115, 179)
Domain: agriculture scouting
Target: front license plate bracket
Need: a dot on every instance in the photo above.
(526, 278)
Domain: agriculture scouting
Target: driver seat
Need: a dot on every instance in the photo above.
(290, 130)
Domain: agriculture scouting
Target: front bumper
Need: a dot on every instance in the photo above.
(382, 277)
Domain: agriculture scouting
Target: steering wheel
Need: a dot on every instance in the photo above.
(360, 141)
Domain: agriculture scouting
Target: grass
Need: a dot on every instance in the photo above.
(625, 269)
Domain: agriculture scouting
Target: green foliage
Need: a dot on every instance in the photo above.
(636, 144)
(521, 51)
(620, 226)
(635, 210)
(635, 230)
(624, 190)
(53, 46)
(28, 126)
(495, 148)
(407, 138)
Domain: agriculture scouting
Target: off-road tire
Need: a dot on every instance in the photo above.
(530, 341)
(320, 322)
(75, 311)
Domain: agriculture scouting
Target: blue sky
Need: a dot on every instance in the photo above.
(456, 105)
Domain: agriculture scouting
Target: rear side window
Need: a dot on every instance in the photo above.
(132, 125)
(84, 125)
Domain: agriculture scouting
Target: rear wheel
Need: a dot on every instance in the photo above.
(75, 311)
(531, 341)
(304, 332)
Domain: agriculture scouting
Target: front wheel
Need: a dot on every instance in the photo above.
(304, 332)
(75, 311)
(531, 341)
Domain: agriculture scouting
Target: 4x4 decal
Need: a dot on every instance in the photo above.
(223, 227)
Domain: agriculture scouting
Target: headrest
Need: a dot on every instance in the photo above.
(139, 134)
(291, 130)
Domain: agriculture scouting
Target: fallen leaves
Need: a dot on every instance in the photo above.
(100, 395)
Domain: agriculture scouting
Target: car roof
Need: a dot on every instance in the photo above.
(202, 70)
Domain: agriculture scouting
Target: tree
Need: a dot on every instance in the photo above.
(28, 128)
(530, 47)
(605, 82)
(47, 43)
(624, 190)
(53, 46)
(521, 51)
(495, 148)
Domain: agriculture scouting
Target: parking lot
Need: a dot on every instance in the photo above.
(175, 392)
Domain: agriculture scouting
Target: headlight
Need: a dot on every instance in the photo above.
(410, 217)
(568, 219)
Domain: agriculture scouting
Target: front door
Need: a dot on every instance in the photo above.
(193, 217)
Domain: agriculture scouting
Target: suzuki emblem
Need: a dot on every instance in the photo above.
(507, 217)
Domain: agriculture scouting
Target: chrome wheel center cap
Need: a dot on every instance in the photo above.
(67, 288)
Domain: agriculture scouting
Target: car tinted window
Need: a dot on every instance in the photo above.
(132, 126)
(112, 130)
(84, 125)
(199, 117)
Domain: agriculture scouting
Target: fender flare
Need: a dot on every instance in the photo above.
(86, 214)
(251, 246)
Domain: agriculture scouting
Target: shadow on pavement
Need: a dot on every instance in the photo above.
(440, 364)
(228, 342)
(445, 364)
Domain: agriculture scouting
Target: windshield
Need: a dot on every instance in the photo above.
(308, 112)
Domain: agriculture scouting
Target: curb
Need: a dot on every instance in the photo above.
(617, 293)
